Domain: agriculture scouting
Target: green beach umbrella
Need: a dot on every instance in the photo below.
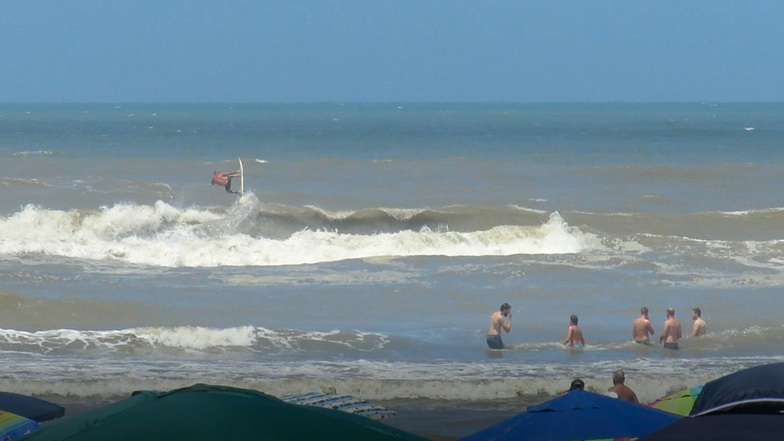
(205, 412)
(679, 402)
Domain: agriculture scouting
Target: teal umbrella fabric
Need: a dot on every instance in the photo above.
(206, 412)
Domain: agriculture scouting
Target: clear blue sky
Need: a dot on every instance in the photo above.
(391, 50)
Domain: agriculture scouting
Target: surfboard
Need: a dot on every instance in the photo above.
(242, 178)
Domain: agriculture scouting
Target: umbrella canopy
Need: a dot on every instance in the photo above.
(345, 403)
(578, 415)
(680, 402)
(757, 387)
(204, 412)
(30, 407)
(13, 426)
(722, 427)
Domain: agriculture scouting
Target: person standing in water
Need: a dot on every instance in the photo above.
(574, 336)
(699, 327)
(671, 331)
(642, 327)
(499, 321)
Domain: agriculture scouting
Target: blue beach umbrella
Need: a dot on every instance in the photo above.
(758, 389)
(722, 426)
(578, 415)
(745, 405)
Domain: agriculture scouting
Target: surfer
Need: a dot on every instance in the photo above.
(224, 179)
(574, 336)
(642, 327)
(671, 331)
(497, 323)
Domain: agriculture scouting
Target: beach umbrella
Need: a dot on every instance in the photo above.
(205, 412)
(30, 407)
(760, 387)
(578, 415)
(722, 427)
(344, 403)
(13, 426)
(680, 402)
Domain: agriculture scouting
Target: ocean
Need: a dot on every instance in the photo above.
(374, 241)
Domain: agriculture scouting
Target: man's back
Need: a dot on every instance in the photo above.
(624, 393)
(672, 330)
(641, 328)
(574, 336)
(496, 322)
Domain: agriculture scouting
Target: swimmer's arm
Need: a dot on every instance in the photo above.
(507, 324)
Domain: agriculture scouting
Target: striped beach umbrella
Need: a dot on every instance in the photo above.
(345, 403)
(30, 407)
(13, 426)
(680, 402)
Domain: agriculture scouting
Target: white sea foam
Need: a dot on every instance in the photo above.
(195, 338)
(34, 153)
(529, 210)
(374, 380)
(163, 235)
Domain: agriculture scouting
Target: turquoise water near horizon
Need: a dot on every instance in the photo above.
(374, 242)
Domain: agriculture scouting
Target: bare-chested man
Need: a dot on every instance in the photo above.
(642, 328)
(574, 336)
(699, 327)
(621, 390)
(224, 179)
(498, 322)
(671, 331)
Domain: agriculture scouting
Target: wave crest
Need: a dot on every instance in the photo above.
(167, 236)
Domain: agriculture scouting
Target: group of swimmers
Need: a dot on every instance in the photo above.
(642, 328)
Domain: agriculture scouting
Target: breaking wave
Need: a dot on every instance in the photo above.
(251, 234)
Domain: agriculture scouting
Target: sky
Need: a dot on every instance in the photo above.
(293, 51)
